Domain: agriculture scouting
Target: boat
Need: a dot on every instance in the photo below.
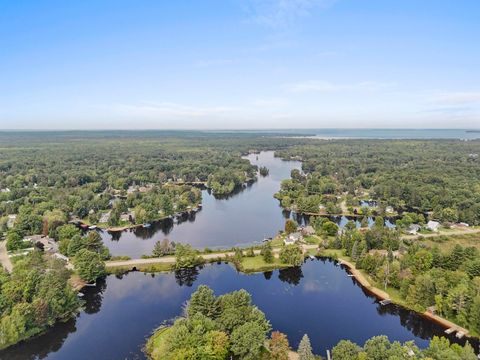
(93, 227)
(147, 225)
(311, 257)
(267, 239)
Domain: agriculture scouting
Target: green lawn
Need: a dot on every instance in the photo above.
(257, 264)
(447, 242)
(156, 345)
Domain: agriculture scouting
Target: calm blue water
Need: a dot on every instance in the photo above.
(388, 133)
(318, 299)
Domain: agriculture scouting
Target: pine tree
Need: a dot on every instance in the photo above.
(355, 251)
(305, 349)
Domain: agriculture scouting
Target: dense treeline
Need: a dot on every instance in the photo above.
(380, 348)
(33, 297)
(447, 280)
(230, 326)
(440, 176)
(85, 174)
(214, 328)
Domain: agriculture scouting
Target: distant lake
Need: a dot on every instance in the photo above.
(388, 133)
(318, 299)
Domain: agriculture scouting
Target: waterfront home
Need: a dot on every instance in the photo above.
(413, 229)
(46, 243)
(389, 210)
(104, 217)
(127, 217)
(293, 238)
(11, 221)
(433, 225)
(307, 230)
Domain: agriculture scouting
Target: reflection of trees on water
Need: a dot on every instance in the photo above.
(186, 276)
(93, 297)
(40, 347)
(268, 275)
(291, 275)
(237, 190)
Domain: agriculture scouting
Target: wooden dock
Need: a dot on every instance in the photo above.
(450, 330)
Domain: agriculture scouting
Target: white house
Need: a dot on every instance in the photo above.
(433, 225)
(104, 217)
(389, 209)
(11, 221)
(413, 229)
(292, 238)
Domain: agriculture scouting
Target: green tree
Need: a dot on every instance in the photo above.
(247, 341)
(67, 232)
(291, 254)
(186, 256)
(345, 350)
(89, 265)
(14, 240)
(267, 253)
(305, 349)
(203, 301)
(290, 226)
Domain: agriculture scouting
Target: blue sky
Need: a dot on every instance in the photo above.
(231, 64)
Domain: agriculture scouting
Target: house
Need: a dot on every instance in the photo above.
(433, 225)
(389, 209)
(104, 217)
(293, 238)
(11, 221)
(413, 229)
(308, 230)
(127, 217)
(46, 243)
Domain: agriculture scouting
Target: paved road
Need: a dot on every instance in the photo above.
(171, 259)
(4, 259)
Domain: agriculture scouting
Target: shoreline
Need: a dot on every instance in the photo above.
(148, 265)
(383, 295)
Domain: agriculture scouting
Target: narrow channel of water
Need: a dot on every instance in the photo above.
(318, 299)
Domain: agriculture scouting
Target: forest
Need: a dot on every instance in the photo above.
(435, 177)
(443, 280)
(230, 326)
(34, 296)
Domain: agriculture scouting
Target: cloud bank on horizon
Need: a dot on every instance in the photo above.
(239, 64)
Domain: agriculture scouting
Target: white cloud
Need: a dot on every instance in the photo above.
(325, 86)
(280, 13)
(455, 98)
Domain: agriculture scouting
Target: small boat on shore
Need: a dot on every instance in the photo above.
(147, 225)
(93, 227)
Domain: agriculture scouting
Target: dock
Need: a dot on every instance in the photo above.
(460, 334)
(450, 330)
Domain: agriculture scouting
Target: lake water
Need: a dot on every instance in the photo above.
(318, 299)
(243, 218)
(385, 133)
